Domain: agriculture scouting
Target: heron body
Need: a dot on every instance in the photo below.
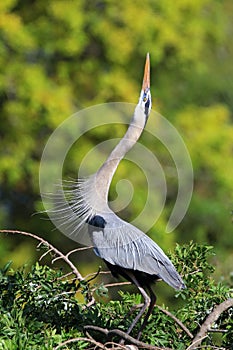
(123, 246)
(125, 249)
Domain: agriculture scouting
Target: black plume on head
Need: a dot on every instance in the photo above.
(97, 221)
(147, 106)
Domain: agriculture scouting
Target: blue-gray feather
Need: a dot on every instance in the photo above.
(121, 244)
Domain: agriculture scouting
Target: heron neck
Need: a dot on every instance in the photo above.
(106, 172)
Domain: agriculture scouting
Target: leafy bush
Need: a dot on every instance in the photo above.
(40, 309)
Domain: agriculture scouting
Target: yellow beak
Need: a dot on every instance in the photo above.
(146, 78)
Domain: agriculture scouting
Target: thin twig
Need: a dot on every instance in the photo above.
(193, 272)
(196, 342)
(56, 259)
(116, 284)
(94, 276)
(73, 340)
(218, 330)
(100, 273)
(47, 252)
(206, 326)
(78, 250)
(91, 302)
(212, 347)
(125, 336)
(108, 343)
(112, 285)
(119, 346)
(168, 313)
(66, 276)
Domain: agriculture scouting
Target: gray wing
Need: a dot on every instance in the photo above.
(122, 244)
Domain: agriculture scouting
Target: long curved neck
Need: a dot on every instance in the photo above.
(105, 174)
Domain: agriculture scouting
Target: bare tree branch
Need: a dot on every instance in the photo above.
(212, 347)
(94, 342)
(50, 248)
(206, 326)
(47, 252)
(196, 342)
(74, 340)
(100, 273)
(117, 284)
(113, 285)
(213, 330)
(124, 336)
(166, 312)
(118, 346)
(91, 302)
(78, 250)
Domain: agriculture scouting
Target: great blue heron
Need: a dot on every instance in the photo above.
(125, 249)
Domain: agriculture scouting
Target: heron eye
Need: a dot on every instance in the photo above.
(144, 99)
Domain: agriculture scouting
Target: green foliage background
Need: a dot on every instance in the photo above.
(58, 57)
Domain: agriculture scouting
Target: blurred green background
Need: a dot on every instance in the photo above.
(58, 57)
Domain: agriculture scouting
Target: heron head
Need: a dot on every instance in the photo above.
(145, 96)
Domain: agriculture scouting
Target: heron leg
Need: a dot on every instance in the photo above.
(150, 309)
(147, 302)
